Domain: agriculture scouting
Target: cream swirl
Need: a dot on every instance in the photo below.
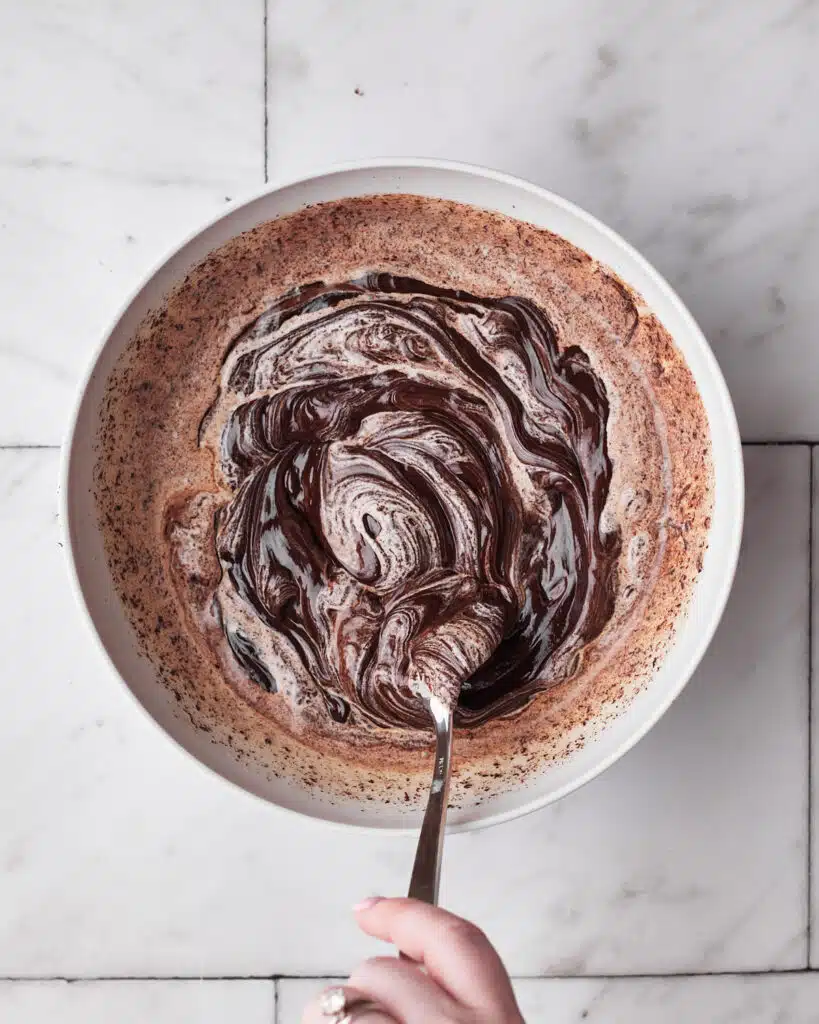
(418, 477)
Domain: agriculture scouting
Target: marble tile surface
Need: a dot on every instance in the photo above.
(125, 126)
(771, 999)
(137, 1002)
(141, 119)
(688, 127)
(119, 856)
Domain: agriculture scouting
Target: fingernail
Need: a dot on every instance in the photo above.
(367, 904)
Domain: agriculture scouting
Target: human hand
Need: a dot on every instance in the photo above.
(453, 974)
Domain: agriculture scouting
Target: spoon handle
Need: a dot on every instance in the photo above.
(426, 872)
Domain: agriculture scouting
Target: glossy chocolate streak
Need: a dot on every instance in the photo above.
(417, 501)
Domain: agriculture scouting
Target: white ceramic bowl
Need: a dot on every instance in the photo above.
(493, 191)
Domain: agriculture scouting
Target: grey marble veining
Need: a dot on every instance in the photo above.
(124, 127)
(688, 127)
(770, 999)
(667, 862)
(132, 1002)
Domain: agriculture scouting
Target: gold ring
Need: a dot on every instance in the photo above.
(351, 1016)
(333, 1003)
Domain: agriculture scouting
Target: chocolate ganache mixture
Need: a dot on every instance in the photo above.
(397, 444)
(404, 513)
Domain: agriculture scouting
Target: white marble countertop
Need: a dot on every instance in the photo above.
(675, 888)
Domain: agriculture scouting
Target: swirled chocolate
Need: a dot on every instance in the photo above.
(317, 499)
(418, 477)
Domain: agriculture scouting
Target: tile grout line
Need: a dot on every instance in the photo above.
(266, 128)
(276, 979)
(810, 836)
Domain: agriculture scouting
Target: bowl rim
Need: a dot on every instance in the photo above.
(727, 424)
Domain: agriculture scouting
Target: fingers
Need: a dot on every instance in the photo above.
(404, 991)
(321, 1011)
(454, 952)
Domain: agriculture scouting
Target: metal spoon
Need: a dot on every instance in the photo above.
(426, 872)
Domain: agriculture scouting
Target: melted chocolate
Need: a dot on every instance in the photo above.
(417, 502)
